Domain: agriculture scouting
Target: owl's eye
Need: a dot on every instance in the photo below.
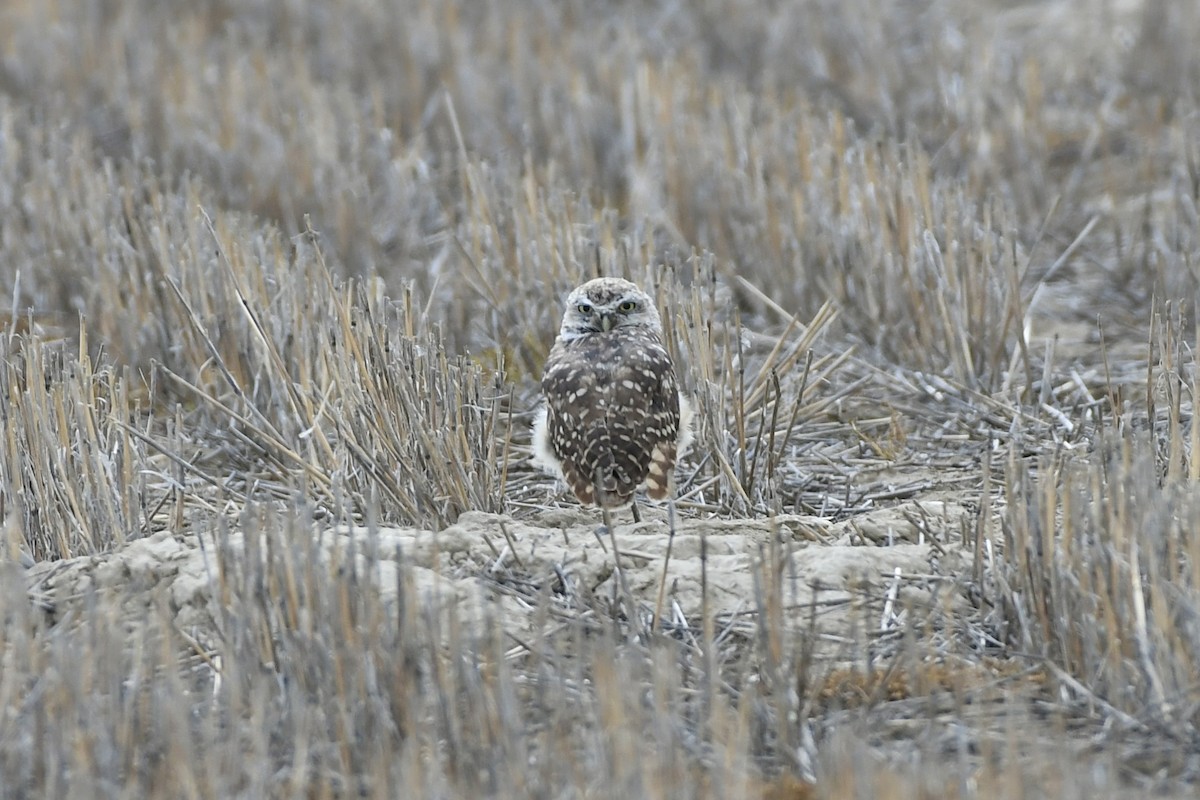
(583, 308)
(627, 306)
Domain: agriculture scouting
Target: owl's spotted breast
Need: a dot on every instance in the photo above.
(612, 413)
(613, 418)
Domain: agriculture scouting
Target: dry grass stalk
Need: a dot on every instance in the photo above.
(318, 269)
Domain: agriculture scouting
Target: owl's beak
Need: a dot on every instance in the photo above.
(607, 321)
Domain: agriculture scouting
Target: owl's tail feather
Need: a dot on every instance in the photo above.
(607, 487)
(614, 487)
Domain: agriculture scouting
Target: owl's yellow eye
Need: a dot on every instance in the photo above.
(627, 306)
(583, 308)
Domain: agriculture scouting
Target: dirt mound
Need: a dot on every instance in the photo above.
(490, 566)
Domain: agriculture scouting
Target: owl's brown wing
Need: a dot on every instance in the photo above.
(612, 406)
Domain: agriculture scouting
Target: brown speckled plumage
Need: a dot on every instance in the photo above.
(613, 418)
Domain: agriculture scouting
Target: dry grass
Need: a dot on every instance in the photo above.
(275, 267)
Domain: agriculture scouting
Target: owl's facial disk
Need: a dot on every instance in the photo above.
(599, 318)
(600, 306)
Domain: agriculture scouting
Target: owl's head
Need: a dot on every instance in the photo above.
(605, 304)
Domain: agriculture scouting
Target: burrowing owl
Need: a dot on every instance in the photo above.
(613, 417)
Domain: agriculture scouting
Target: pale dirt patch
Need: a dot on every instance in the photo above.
(903, 553)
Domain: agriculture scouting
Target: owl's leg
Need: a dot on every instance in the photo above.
(637, 515)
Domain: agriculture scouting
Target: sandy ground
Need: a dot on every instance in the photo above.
(828, 570)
